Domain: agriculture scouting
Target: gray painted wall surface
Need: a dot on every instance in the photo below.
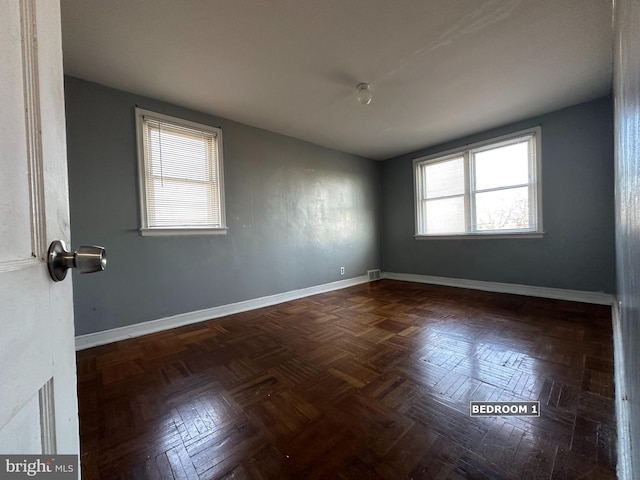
(296, 212)
(577, 251)
(627, 133)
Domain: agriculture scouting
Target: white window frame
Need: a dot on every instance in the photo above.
(146, 229)
(535, 189)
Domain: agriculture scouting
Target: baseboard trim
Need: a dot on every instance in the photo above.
(531, 291)
(624, 468)
(130, 331)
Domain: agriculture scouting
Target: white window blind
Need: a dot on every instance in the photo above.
(487, 188)
(181, 174)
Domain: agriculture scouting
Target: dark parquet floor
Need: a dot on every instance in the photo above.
(368, 382)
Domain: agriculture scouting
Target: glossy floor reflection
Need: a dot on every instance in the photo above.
(373, 381)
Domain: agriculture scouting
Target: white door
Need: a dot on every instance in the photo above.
(38, 402)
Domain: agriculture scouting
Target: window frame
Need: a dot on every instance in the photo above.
(469, 188)
(145, 229)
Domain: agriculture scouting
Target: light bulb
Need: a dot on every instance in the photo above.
(364, 94)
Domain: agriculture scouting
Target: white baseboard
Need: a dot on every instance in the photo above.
(531, 291)
(130, 331)
(625, 471)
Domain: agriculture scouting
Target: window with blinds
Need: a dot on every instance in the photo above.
(181, 185)
(488, 188)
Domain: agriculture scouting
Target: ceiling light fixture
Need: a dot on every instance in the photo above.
(364, 93)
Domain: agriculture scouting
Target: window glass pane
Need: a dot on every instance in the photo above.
(182, 173)
(177, 203)
(179, 156)
(488, 187)
(503, 209)
(444, 178)
(502, 167)
(445, 215)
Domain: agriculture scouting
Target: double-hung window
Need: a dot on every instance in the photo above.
(490, 188)
(181, 181)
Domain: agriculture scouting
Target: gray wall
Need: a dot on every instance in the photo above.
(577, 251)
(627, 148)
(296, 212)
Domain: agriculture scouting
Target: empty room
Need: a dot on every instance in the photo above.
(318, 240)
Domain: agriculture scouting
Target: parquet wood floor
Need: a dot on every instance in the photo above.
(369, 382)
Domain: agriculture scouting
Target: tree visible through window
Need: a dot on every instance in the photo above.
(487, 188)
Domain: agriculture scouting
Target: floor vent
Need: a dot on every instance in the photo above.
(373, 275)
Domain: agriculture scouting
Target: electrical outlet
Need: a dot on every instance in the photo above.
(341, 270)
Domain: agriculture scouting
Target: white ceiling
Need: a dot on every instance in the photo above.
(438, 69)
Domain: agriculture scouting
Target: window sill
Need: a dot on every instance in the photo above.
(181, 232)
(469, 236)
